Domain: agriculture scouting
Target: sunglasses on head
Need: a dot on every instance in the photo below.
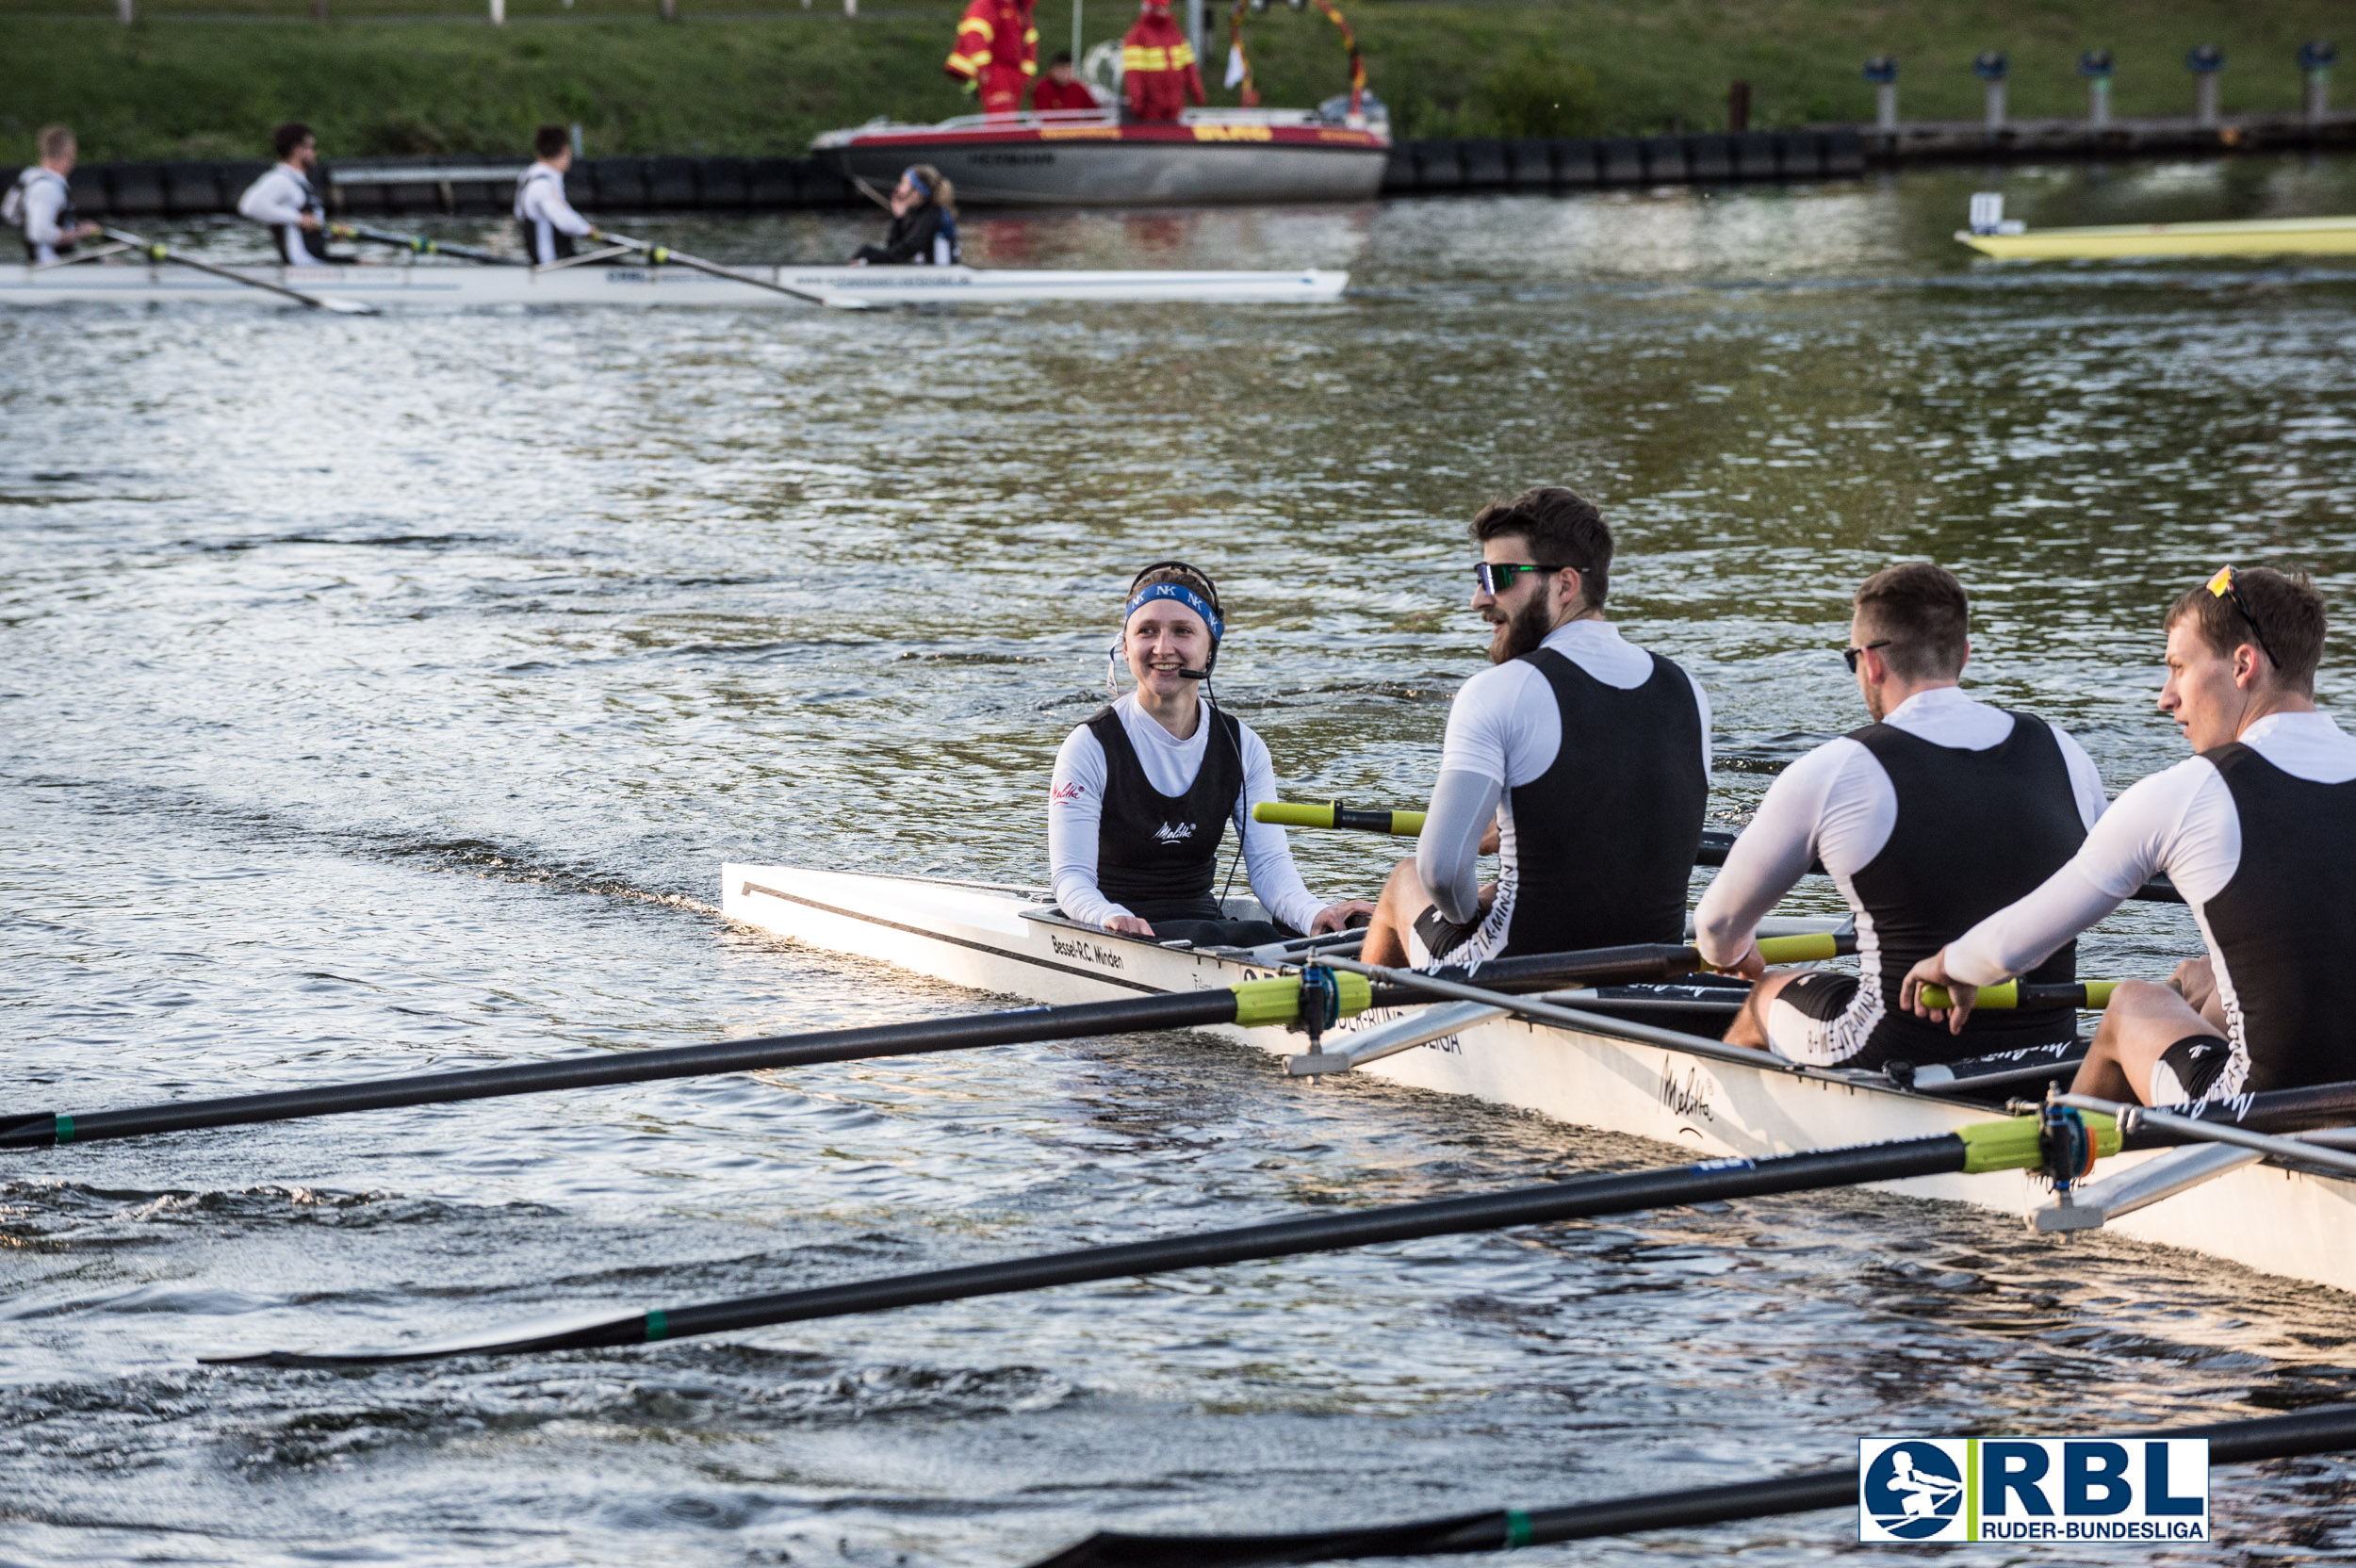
(1497, 576)
(2222, 586)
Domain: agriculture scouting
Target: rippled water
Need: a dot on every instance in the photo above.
(383, 694)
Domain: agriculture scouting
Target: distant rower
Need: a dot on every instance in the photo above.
(283, 199)
(42, 202)
(1589, 756)
(1941, 811)
(2258, 832)
(1143, 791)
(924, 227)
(550, 225)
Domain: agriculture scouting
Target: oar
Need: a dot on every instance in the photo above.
(1250, 1006)
(1716, 842)
(418, 244)
(2016, 1143)
(2142, 1119)
(157, 252)
(663, 256)
(2325, 1429)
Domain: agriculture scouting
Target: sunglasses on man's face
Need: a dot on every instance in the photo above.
(1497, 577)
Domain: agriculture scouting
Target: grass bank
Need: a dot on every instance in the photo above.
(405, 77)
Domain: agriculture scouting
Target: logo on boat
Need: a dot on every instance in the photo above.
(1002, 161)
(1234, 133)
(1174, 833)
(2033, 1489)
(1688, 1095)
(1088, 952)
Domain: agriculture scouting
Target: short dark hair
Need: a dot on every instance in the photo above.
(1061, 57)
(1925, 614)
(1563, 528)
(549, 141)
(2289, 614)
(288, 136)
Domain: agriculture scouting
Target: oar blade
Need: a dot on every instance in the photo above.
(571, 1333)
(1471, 1532)
(845, 301)
(345, 307)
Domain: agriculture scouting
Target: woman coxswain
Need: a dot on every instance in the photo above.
(923, 230)
(1144, 790)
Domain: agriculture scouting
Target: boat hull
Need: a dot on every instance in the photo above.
(2256, 237)
(999, 940)
(458, 287)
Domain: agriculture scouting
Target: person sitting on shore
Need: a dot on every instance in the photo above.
(924, 227)
(1059, 89)
(41, 203)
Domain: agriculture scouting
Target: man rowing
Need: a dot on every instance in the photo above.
(1589, 756)
(1144, 790)
(284, 200)
(549, 223)
(40, 202)
(1940, 811)
(2256, 830)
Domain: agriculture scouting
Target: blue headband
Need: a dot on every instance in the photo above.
(917, 185)
(1185, 596)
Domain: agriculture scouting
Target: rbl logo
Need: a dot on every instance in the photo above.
(2090, 1489)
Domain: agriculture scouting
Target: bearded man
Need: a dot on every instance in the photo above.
(1581, 758)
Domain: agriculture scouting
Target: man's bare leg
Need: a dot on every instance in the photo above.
(2138, 1026)
(1402, 899)
(1750, 1026)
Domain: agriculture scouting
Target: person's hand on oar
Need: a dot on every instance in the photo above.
(1954, 1001)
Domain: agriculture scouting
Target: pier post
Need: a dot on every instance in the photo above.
(1737, 107)
(2095, 66)
(1992, 67)
(2204, 63)
(1194, 35)
(2315, 58)
(1882, 71)
(123, 14)
(498, 13)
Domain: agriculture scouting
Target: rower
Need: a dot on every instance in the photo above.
(40, 202)
(1582, 757)
(2257, 830)
(550, 225)
(1940, 811)
(1143, 791)
(923, 230)
(284, 198)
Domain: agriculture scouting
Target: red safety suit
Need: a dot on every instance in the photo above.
(1157, 69)
(997, 48)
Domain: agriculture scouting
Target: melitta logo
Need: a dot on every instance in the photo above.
(2033, 1489)
(1174, 833)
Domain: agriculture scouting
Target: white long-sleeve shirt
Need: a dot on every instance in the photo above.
(540, 208)
(1836, 806)
(2182, 822)
(280, 200)
(1504, 729)
(38, 203)
(1075, 806)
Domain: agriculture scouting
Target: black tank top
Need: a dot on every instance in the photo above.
(2285, 924)
(1605, 838)
(1156, 854)
(1976, 831)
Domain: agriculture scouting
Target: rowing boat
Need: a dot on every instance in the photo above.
(2249, 238)
(429, 285)
(1703, 1098)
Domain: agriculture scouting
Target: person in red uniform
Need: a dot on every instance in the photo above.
(1157, 69)
(1060, 89)
(997, 50)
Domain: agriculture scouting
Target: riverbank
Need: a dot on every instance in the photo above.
(751, 83)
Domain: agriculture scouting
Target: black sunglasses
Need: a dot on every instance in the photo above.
(2222, 586)
(1848, 655)
(1497, 577)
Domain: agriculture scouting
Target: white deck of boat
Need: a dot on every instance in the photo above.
(2279, 1221)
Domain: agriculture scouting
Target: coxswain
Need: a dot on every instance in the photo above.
(996, 51)
(923, 230)
(1158, 74)
(1143, 792)
(1939, 813)
(283, 199)
(550, 225)
(1058, 89)
(40, 202)
(1584, 759)
(2256, 830)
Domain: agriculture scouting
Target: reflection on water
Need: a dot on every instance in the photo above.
(383, 694)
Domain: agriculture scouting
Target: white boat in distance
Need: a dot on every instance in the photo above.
(2211, 1200)
(458, 286)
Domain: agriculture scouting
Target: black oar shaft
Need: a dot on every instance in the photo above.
(1584, 1198)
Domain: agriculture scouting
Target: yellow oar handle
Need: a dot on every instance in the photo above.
(2089, 995)
(1813, 948)
(1404, 825)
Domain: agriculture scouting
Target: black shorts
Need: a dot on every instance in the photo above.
(2195, 1063)
(1437, 937)
(1813, 1018)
